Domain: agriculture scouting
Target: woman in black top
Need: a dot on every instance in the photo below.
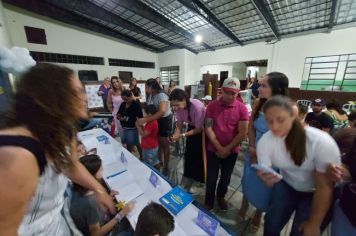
(136, 91)
(130, 110)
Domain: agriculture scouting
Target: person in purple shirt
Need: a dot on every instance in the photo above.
(104, 91)
(192, 112)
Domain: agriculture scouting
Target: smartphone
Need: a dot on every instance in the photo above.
(266, 169)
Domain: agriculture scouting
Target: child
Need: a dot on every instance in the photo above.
(154, 220)
(149, 141)
(130, 110)
(84, 209)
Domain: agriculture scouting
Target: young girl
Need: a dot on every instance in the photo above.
(149, 142)
(85, 211)
(136, 91)
(130, 110)
(302, 155)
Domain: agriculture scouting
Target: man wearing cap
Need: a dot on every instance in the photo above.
(318, 118)
(226, 122)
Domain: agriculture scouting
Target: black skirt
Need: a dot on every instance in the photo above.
(193, 157)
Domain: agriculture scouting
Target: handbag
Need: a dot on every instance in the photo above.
(253, 188)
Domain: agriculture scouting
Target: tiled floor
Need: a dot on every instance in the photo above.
(234, 198)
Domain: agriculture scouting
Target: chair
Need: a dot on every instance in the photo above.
(349, 107)
(306, 103)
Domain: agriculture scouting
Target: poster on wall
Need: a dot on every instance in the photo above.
(94, 101)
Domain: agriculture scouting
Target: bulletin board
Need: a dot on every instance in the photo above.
(91, 89)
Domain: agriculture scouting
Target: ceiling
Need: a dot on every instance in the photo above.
(160, 25)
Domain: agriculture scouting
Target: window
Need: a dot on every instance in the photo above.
(66, 58)
(336, 73)
(169, 73)
(35, 35)
(125, 76)
(88, 75)
(130, 63)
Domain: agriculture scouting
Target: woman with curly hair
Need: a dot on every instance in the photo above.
(38, 152)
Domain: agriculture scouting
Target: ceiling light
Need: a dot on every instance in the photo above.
(198, 38)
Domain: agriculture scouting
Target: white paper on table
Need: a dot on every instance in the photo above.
(89, 142)
(113, 168)
(129, 192)
(126, 186)
(107, 153)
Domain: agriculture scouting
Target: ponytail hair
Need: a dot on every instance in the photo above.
(153, 84)
(296, 139)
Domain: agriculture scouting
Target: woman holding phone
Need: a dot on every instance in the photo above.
(302, 155)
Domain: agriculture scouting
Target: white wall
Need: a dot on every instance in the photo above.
(4, 34)
(63, 38)
(215, 69)
(262, 71)
(287, 55)
(239, 70)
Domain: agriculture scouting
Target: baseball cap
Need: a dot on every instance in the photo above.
(207, 98)
(231, 84)
(319, 102)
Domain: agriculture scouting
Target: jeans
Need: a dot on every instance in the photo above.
(214, 165)
(130, 137)
(284, 201)
(341, 225)
(150, 156)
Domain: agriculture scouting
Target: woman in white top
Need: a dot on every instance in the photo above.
(38, 152)
(302, 155)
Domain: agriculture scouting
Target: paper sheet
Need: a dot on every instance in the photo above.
(113, 168)
(126, 186)
(107, 153)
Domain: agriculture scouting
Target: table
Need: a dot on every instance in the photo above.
(184, 221)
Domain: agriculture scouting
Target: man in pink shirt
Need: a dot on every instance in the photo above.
(226, 123)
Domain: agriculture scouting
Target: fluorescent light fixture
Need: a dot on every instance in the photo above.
(198, 38)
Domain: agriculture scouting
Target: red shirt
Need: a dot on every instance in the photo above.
(151, 140)
(226, 119)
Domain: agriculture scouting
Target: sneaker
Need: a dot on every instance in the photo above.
(222, 203)
(195, 189)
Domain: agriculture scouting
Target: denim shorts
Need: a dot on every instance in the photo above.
(150, 156)
(130, 137)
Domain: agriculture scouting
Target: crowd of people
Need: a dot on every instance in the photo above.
(307, 160)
